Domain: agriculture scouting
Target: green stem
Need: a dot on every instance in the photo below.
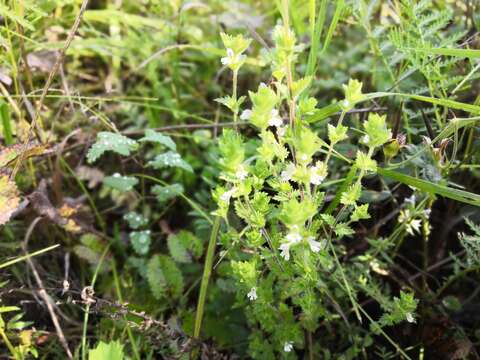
(207, 271)
(120, 298)
(8, 343)
(87, 307)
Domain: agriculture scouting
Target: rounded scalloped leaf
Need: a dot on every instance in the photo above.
(9, 199)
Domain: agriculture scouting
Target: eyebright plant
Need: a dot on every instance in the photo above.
(284, 244)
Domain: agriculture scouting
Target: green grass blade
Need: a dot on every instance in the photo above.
(463, 53)
(21, 258)
(6, 123)
(333, 24)
(315, 38)
(207, 272)
(432, 188)
(331, 109)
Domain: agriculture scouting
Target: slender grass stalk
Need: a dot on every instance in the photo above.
(207, 271)
(21, 258)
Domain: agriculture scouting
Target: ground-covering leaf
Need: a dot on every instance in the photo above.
(170, 159)
(109, 141)
(135, 220)
(156, 137)
(120, 182)
(167, 192)
(164, 277)
(141, 241)
(183, 245)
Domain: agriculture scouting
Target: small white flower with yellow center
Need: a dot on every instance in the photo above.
(288, 346)
(252, 295)
(275, 119)
(241, 174)
(318, 173)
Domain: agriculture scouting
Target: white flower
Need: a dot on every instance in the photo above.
(232, 60)
(263, 85)
(315, 246)
(241, 173)
(294, 237)
(427, 212)
(285, 251)
(252, 295)
(281, 130)
(304, 157)
(346, 103)
(287, 174)
(288, 346)
(414, 226)
(410, 317)
(410, 200)
(246, 114)
(228, 194)
(365, 139)
(318, 173)
(275, 119)
(229, 59)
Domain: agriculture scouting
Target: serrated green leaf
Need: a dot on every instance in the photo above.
(135, 220)
(165, 193)
(351, 196)
(108, 141)
(342, 229)
(365, 163)
(164, 277)
(120, 183)
(337, 134)
(177, 250)
(156, 137)
(111, 351)
(140, 241)
(376, 129)
(360, 213)
(170, 159)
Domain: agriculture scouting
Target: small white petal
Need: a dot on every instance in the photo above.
(246, 114)
(288, 346)
(241, 173)
(252, 295)
(227, 195)
(275, 119)
(287, 174)
(410, 318)
(285, 251)
(315, 246)
(294, 237)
